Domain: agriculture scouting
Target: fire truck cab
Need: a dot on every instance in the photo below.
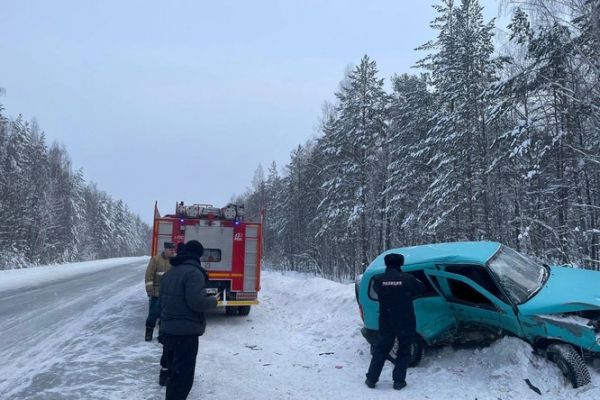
(232, 249)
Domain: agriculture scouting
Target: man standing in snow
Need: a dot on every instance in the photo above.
(183, 300)
(165, 358)
(157, 267)
(396, 291)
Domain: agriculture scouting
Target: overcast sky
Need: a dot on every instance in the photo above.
(181, 100)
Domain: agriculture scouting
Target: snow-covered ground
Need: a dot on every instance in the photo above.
(79, 335)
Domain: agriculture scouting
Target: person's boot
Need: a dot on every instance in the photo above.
(149, 332)
(163, 377)
(370, 383)
(399, 385)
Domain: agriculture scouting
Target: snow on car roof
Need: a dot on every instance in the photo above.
(460, 252)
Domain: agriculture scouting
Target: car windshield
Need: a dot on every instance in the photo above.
(520, 276)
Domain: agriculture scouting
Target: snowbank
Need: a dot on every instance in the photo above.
(326, 319)
(34, 276)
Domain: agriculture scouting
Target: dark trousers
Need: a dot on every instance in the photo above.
(166, 358)
(180, 357)
(385, 343)
(153, 312)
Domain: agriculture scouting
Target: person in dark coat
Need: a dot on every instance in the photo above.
(163, 376)
(396, 291)
(183, 300)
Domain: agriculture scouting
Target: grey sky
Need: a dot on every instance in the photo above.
(181, 100)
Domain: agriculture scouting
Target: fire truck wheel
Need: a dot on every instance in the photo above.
(231, 310)
(244, 310)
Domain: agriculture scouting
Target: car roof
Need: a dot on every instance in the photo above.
(459, 252)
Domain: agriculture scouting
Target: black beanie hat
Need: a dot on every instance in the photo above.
(194, 247)
(394, 260)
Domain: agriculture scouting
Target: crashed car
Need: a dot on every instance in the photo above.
(477, 292)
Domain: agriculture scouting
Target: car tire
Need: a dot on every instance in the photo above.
(570, 362)
(417, 351)
(244, 310)
(231, 310)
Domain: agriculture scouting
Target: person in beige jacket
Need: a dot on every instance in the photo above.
(157, 267)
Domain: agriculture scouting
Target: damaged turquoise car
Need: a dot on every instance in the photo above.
(478, 292)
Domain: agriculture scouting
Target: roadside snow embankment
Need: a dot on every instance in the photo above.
(314, 324)
(34, 276)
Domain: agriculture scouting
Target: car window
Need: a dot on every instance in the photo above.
(518, 274)
(372, 293)
(466, 294)
(478, 275)
(420, 275)
(429, 290)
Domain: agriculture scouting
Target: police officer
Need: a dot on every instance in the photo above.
(396, 291)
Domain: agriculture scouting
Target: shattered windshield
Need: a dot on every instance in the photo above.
(520, 276)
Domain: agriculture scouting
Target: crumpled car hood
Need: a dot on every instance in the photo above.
(567, 290)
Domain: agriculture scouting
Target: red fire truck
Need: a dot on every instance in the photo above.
(232, 249)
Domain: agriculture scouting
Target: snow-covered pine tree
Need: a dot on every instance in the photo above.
(15, 196)
(551, 145)
(457, 204)
(300, 202)
(275, 216)
(39, 214)
(353, 143)
(409, 173)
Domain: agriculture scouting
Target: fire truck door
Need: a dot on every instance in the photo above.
(251, 258)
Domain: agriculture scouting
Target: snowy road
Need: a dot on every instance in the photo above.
(81, 337)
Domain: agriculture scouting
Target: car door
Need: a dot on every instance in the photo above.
(435, 321)
(471, 303)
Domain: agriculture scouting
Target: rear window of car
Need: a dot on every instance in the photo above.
(420, 275)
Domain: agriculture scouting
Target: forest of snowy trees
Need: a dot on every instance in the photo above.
(498, 138)
(48, 213)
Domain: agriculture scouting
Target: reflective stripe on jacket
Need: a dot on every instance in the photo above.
(157, 267)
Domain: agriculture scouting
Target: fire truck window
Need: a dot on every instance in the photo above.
(211, 255)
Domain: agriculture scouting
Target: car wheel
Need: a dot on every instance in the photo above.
(570, 363)
(244, 310)
(231, 310)
(417, 350)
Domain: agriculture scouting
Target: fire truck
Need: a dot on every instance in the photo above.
(232, 249)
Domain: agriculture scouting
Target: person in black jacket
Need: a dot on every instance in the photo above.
(183, 300)
(396, 291)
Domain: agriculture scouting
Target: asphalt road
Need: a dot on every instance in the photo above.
(55, 338)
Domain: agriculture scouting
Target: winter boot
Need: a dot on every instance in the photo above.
(370, 383)
(163, 377)
(399, 385)
(149, 332)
